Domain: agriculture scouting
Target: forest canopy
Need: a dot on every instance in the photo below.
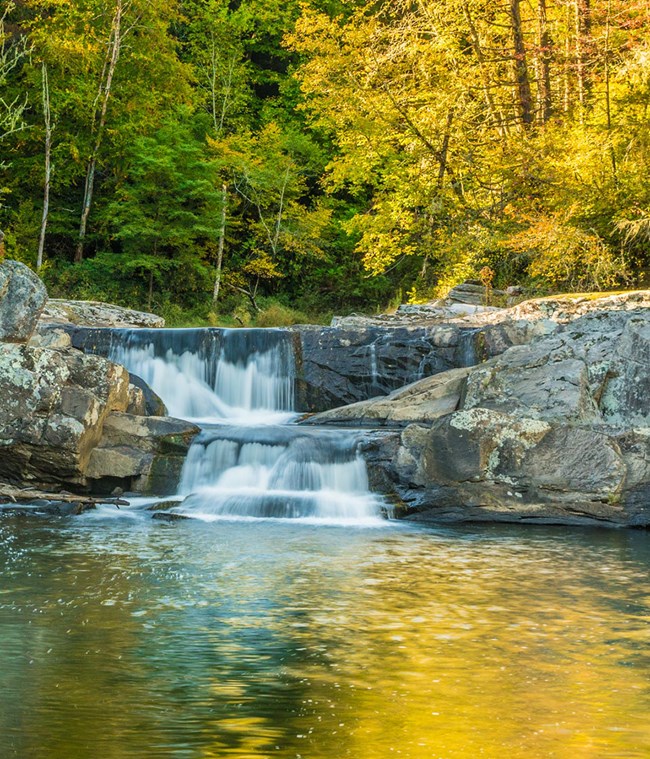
(204, 157)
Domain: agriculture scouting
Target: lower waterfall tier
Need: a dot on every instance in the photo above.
(276, 471)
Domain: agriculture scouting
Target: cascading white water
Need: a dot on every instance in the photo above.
(287, 473)
(219, 379)
(238, 384)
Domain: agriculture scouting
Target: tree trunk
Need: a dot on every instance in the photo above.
(444, 151)
(524, 96)
(583, 36)
(545, 58)
(103, 95)
(608, 92)
(222, 237)
(48, 166)
(566, 100)
(150, 293)
(494, 112)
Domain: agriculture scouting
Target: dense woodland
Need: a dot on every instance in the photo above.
(250, 159)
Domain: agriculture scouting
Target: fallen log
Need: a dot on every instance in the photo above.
(13, 494)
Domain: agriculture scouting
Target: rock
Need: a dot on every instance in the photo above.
(557, 431)
(165, 505)
(54, 406)
(625, 392)
(46, 508)
(421, 401)
(22, 299)
(142, 454)
(473, 293)
(338, 366)
(55, 339)
(137, 404)
(169, 516)
(566, 308)
(96, 314)
(145, 401)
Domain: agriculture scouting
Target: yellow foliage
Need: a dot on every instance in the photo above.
(567, 257)
(262, 266)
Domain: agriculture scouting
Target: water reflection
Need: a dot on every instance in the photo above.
(126, 638)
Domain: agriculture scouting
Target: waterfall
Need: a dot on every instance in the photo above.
(249, 461)
(204, 375)
(280, 472)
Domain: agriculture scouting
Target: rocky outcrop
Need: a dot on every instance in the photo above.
(53, 410)
(95, 314)
(142, 454)
(554, 431)
(346, 364)
(64, 423)
(422, 401)
(22, 299)
(70, 420)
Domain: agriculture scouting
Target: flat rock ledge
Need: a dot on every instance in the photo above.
(96, 314)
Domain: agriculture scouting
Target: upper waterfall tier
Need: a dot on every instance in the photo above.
(201, 374)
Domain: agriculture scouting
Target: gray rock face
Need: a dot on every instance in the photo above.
(341, 365)
(63, 424)
(143, 454)
(22, 298)
(556, 431)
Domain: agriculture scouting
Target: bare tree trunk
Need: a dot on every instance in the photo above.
(103, 95)
(524, 95)
(47, 117)
(583, 35)
(222, 237)
(545, 58)
(150, 293)
(495, 113)
(608, 93)
(566, 100)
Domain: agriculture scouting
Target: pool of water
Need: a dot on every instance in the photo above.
(123, 637)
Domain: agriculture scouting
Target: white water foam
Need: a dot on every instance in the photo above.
(246, 466)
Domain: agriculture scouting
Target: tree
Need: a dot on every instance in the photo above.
(270, 173)
(13, 53)
(47, 120)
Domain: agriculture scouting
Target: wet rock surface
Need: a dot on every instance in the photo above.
(346, 364)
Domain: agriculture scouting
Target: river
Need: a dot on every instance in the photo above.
(122, 636)
(283, 616)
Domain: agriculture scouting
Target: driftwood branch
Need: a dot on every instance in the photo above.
(13, 494)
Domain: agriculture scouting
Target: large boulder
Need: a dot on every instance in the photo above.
(64, 423)
(421, 401)
(556, 431)
(22, 299)
(53, 409)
